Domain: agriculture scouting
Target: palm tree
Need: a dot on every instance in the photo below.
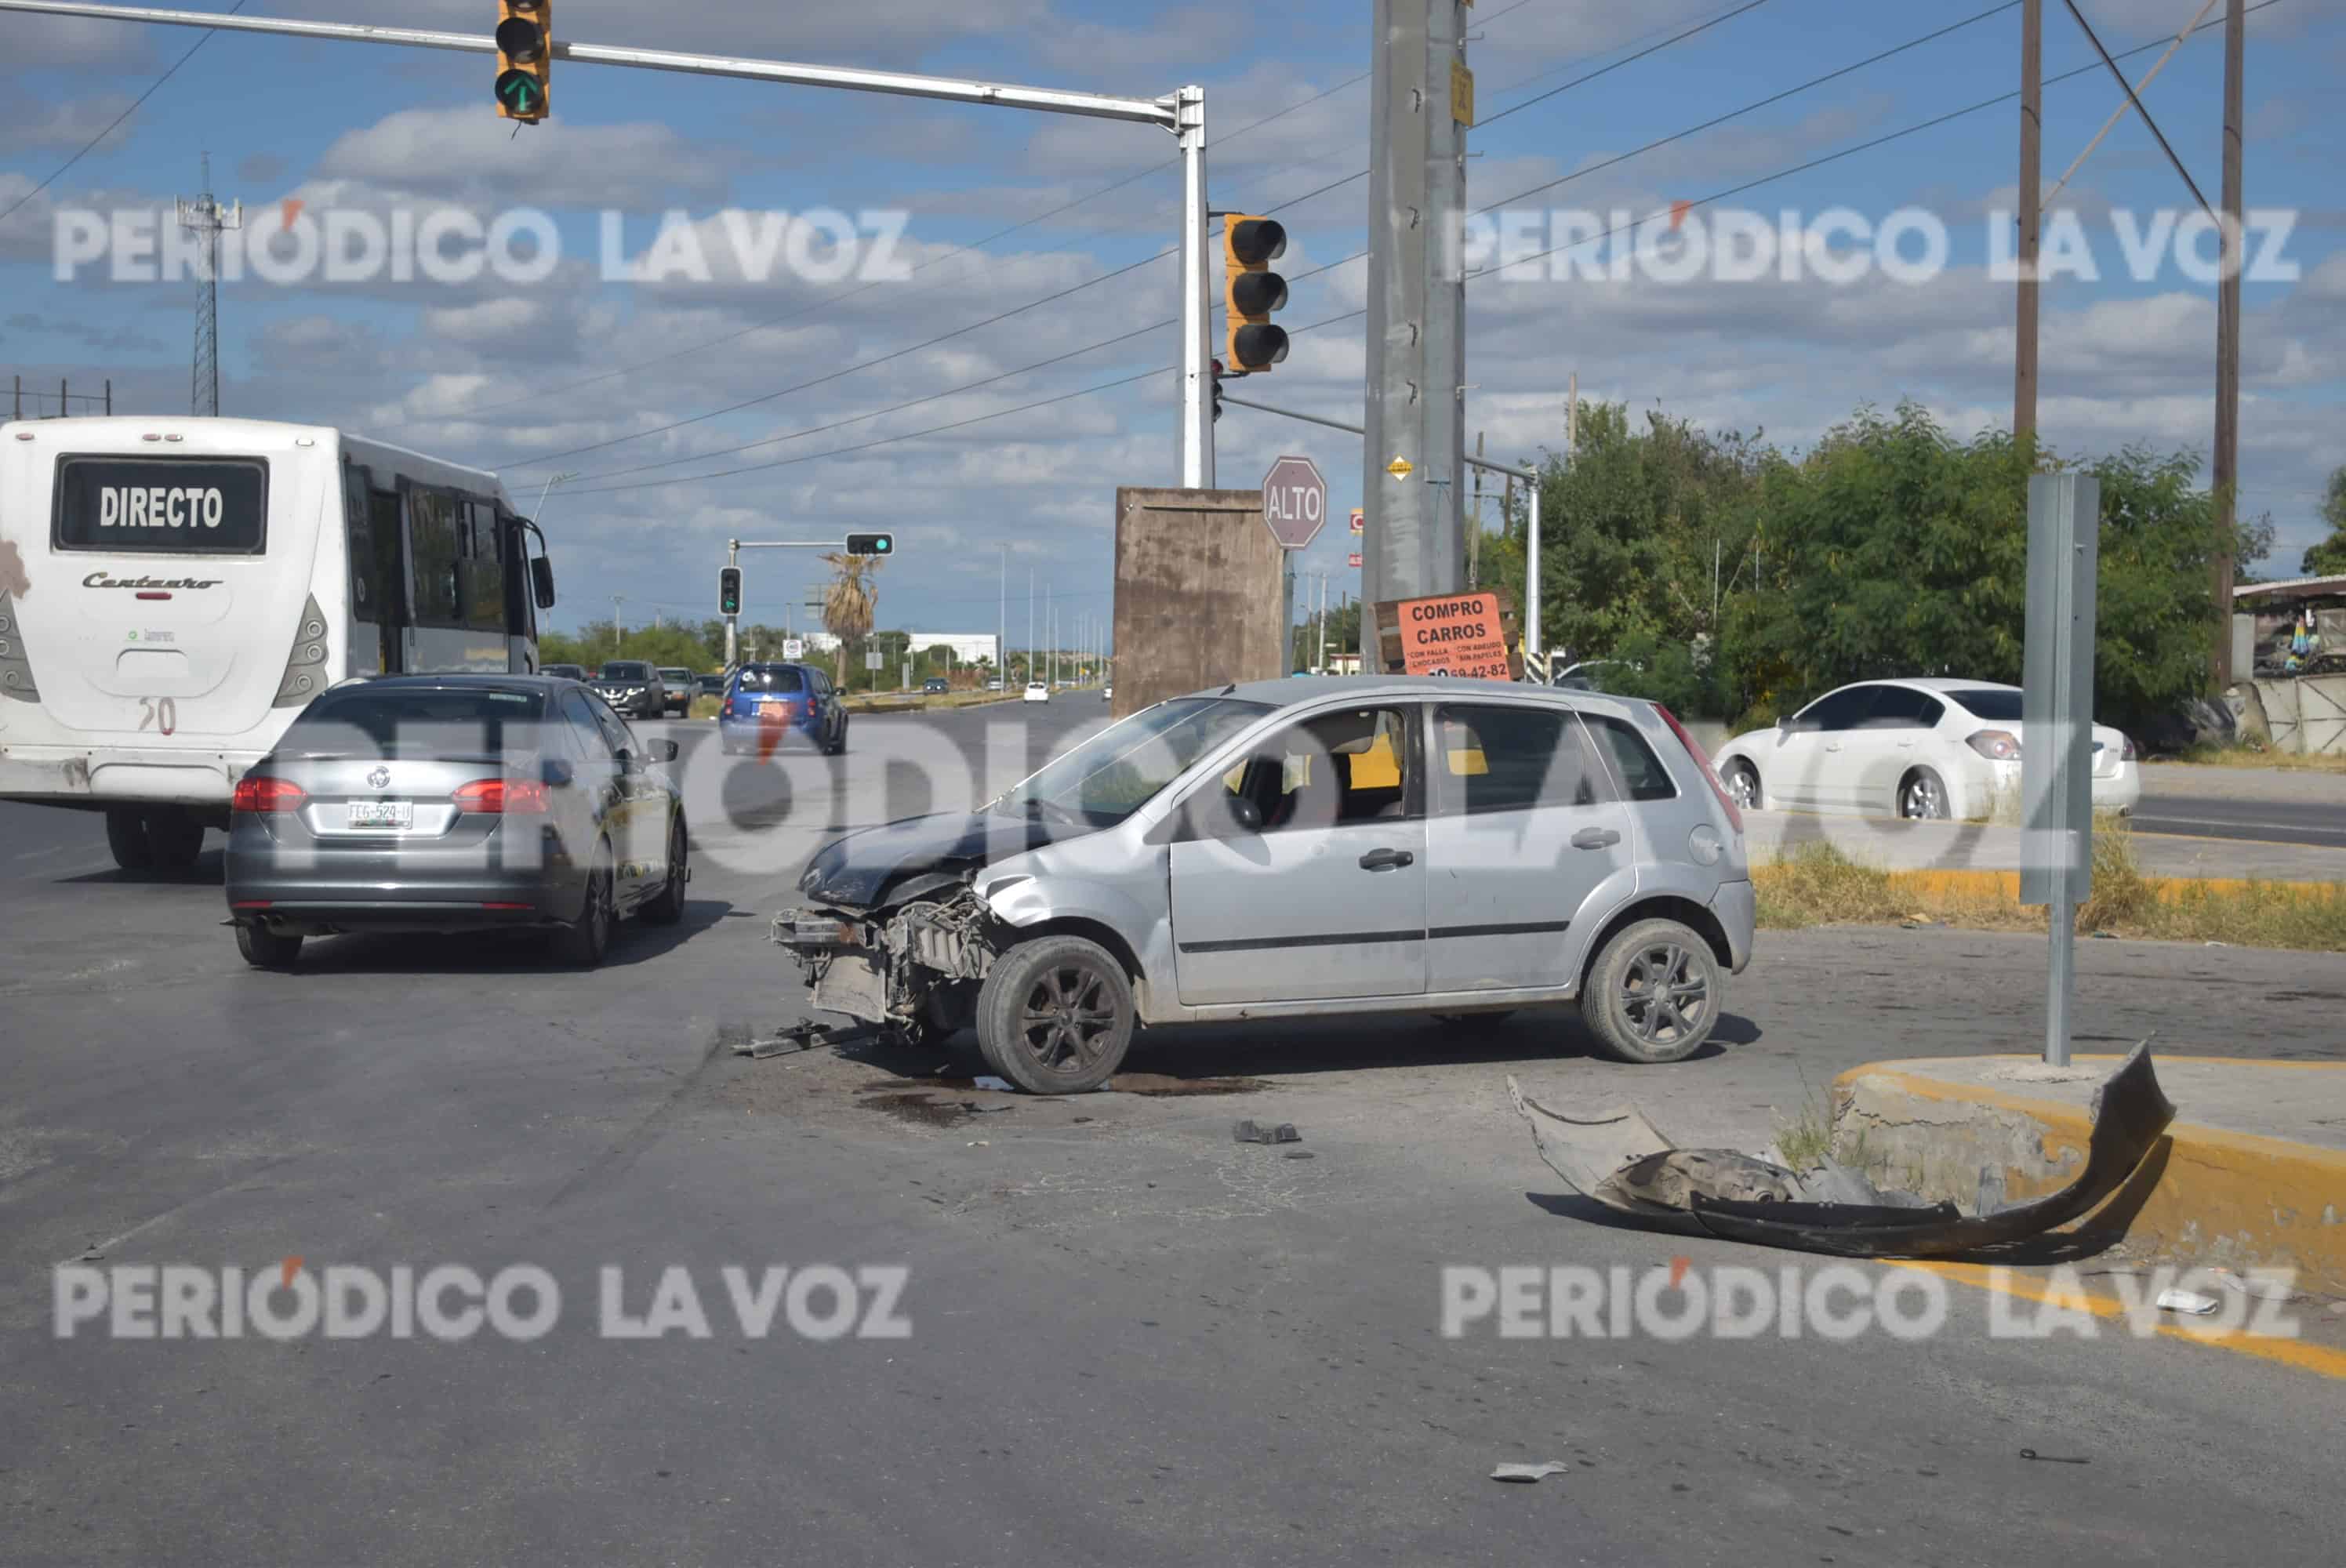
(848, 602)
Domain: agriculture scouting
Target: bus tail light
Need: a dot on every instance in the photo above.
(268, 794)
(305, 667)
(504, 798)
(16, 670)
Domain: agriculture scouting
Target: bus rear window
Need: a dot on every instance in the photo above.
(162, 505)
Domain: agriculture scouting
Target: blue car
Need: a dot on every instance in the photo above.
(768, 706)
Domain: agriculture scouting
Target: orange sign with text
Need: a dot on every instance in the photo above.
(1460, 635)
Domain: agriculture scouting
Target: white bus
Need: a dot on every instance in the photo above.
(174, 591)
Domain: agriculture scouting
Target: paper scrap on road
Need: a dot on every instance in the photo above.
(1530, 1472)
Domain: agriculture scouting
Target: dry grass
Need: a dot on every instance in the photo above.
(2239, 756)
(1819, 885)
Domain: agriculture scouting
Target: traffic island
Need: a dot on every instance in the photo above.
(2252, 1174)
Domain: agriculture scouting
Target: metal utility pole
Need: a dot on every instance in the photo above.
(1417, 413)
(617, 600)
(208, 219)
(1181, 112)
(2227, 474)
(1030, 625)
(2032, 217)
(1001, 627)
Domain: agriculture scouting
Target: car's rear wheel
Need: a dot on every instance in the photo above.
(176, 840)
(1742, 782)
(668, 907)
(266, 949)
(1922, 797)
(585, 941)
(839, 747)
(126, 835)
(1654, 992)
(1055, 1016)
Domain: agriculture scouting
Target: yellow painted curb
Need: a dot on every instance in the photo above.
(2240, 1198)
(2005, 886)
(2295, 1353)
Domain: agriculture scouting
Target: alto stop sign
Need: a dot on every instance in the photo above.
(1294, 501)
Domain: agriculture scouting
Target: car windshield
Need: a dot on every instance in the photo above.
(1125, 766)
(773, 677)
(415, 721)
(1988, 703)
(627, 672)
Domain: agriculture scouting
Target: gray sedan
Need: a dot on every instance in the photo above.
(1290, 849)
(451, 802)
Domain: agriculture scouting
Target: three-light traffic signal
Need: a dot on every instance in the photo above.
(524, 59)
(1252, 291)
(872, 543)
(729, 591)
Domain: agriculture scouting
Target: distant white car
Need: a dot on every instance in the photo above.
(1921, 748)
(1037, 691)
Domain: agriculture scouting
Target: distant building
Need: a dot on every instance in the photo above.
(968, 647)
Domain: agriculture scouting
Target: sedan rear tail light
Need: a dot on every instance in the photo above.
(504, 798)
(1997, 745)
(2125, 748)
(1710, 774)
(265, 795)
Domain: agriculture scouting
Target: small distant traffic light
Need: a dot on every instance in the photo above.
(1252, 291)
(872, 543)
(524, 59)
(729, 591)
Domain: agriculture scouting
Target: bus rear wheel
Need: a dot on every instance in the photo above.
(126, 835)
(175, 838)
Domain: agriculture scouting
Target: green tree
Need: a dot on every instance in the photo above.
(2328, 557)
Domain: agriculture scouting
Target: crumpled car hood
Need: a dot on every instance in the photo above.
(857, 869)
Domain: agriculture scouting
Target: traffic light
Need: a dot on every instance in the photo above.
(1252, 291)
(729, 591)
(524, 59)
(872, 543)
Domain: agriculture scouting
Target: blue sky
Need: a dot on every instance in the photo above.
(515, 377)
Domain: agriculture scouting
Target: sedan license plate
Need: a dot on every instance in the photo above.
(383, 813)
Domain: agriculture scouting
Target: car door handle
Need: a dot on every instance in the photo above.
(1594, 839)
(1387, 860)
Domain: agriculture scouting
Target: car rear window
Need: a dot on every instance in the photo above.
(416, 721)
(777, 678)
(1643, 776)
(1986, 702)
(627, 672)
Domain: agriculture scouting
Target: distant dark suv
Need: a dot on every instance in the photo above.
(632, 686)
(936, 683)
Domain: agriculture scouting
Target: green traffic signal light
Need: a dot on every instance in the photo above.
(729, 591)
(870, 543)
(521, 93)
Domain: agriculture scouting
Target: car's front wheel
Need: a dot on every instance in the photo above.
(1055, 1016)
(1654, 992)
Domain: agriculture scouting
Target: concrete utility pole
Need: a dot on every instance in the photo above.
(2227, 474)
(2032, 217)
(1416, 413)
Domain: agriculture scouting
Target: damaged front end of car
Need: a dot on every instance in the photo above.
(893, 933)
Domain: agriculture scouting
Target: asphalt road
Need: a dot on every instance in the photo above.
(2253, 822)
(1131, 1338)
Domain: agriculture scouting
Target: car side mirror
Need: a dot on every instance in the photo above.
(557, 773)
(1245, 815)
(541, 581)
(626, 759)
(661, 750)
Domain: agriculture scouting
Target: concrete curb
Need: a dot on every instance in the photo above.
(2006, 885)
(2207, 1195)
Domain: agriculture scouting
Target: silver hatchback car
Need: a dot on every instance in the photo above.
(1284, 849)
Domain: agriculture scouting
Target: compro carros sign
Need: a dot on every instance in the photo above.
(1463, 634)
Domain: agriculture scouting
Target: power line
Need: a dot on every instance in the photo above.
(1916, 129)
(89, 146)
(1627, 60)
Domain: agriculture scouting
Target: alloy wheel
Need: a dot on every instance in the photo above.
(1665, 995)
(1067, 1019)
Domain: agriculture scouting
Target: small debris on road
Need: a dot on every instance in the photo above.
(1531, 1472)
(2050, 1457)
(987, 1080)
(2190, 1301)
(1254, 1132)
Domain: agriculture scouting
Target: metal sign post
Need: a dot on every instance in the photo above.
(2056, 724)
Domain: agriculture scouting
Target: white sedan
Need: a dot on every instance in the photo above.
(1037, 691)
(1925, 748)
